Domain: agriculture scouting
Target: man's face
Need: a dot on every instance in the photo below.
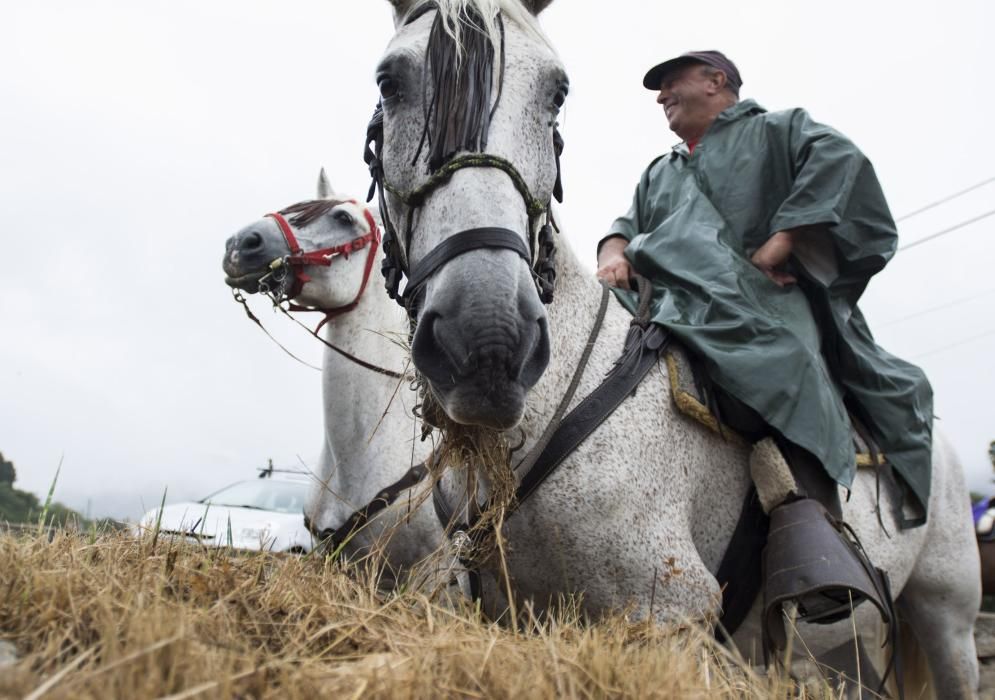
(686, 95)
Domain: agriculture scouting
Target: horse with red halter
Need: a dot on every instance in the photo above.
(370, 491)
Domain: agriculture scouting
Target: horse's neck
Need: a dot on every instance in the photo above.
(570, 316)
(578, 294)
(361, 449)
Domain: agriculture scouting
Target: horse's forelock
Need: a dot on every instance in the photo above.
(309, 210)
(455, 12)
(465, 49)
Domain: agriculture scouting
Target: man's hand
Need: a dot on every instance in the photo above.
(613, 268)
(772, 255)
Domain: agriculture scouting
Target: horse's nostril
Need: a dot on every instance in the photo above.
(248, 242)
(251, 241)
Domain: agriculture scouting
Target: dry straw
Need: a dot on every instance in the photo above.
(110, 616)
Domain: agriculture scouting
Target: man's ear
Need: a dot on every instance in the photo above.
(718, 79)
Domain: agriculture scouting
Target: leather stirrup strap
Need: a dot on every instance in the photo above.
(740, 571)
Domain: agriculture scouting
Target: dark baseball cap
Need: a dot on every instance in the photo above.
(715, 59)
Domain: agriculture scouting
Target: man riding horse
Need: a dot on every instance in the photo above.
(759, 233)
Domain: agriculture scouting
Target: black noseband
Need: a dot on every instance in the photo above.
(464, 242)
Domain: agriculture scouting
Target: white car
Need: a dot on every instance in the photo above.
(260, 514)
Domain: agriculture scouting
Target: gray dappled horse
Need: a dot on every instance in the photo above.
(369, 440)
(641, 513)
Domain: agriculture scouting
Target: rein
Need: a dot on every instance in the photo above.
(359, 518)
(643, 346)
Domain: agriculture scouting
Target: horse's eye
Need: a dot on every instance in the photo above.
(343, 217)
(560, 97)
(388, 87)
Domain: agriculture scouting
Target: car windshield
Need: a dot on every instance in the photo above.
(263, 494)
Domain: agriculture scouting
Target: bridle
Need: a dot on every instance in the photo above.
(288, 274)
(538, 253)
(293, 264)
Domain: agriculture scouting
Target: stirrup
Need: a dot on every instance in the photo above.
(816, 562)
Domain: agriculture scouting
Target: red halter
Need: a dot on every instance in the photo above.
(324, 256)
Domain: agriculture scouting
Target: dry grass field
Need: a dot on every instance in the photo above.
(109, 616)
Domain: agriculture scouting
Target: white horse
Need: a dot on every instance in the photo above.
(370, 439)
(641, 513)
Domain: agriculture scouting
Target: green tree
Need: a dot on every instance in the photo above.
(7, 472)
(18, 506)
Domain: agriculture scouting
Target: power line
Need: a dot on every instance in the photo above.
(946, 199)
(945, 231)
(934, 308)
(965, 341)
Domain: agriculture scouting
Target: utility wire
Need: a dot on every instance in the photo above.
(965, 341)
(931, 309)
(946, 199)
(945, 231)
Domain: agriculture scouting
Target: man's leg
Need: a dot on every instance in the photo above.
(809, 560)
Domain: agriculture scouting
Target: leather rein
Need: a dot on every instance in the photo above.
(337, 538)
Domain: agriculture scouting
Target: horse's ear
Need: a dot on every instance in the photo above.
(401, 8)
(536, 6)
(325, 190)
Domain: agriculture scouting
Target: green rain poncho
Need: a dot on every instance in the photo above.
(793, 354)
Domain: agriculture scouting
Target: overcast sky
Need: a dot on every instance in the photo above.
(136, 136)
